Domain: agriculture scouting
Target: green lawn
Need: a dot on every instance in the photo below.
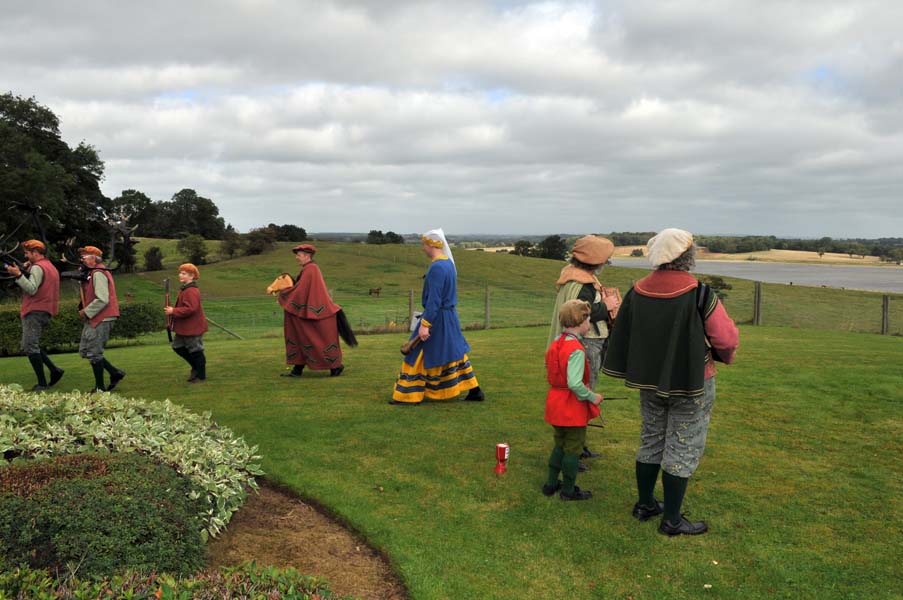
(802, 483)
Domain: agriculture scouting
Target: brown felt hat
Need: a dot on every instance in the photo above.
(32, 245)
(593, 250)
(93, 250)
(304, 248)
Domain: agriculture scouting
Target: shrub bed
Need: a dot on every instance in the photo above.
(98, 514)
(65, 328)
(248, 581)
(221, 466)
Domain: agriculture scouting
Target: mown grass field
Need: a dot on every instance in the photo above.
(801, 483)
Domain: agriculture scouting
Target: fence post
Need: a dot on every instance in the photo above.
(757, 304)
(885, 315)
(486, 314)
(410, 307)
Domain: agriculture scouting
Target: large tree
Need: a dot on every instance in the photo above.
(41, 175)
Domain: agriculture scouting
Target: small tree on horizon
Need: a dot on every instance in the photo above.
(153, 259)
(193, 248)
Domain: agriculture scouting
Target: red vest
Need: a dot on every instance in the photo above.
(188, 315)
(563, 408)
(112, 307)
(47, 298)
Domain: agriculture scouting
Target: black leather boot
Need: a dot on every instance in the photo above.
(37, 364)
(116, 375)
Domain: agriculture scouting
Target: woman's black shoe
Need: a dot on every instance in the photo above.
(684, 527)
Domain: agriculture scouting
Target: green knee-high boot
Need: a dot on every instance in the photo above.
(183, 352)
(675, 488)
(555, 459)
(38, 366)
(569, 465)
(646, 476)
(199, 361)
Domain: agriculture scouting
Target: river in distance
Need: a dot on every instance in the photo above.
(877, 279)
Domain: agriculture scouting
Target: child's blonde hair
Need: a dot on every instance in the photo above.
(573, 312)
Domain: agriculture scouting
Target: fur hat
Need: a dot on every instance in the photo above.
(573, 312)
(592, 250)
(190, 268)
(667, 245)
(308, 248)
(92, 250)
(32, 245)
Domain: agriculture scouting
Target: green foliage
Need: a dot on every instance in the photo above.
(99, 514)
(193, 248)
(51, 424)
(153, 259)
(552, 247)
(288, 233)
(246, 581)
(65, 328)
(233, 244)
(523, 248)
(638, 252)
(258, 241)
(41, 173)
(376, 236)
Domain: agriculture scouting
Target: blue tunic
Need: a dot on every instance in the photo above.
(446, 343)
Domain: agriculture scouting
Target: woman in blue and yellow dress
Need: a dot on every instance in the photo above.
(437, 368)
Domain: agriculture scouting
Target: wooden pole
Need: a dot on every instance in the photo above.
(411, 306)
(885, 315)
(486, 313)
(757, 304)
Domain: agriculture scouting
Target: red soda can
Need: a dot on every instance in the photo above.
(501, 458)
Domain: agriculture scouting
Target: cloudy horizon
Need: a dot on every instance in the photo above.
(736, 117)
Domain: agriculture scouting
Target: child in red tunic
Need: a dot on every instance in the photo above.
(189, 323)
(570, 404)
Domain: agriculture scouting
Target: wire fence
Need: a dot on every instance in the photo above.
(389, 310)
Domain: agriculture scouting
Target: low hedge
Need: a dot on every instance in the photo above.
(65, 328)
(247, 581)
(221, 465)
(97, 514)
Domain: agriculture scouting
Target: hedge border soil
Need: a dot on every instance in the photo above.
(277, 528)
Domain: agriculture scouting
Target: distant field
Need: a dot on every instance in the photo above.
(789, 256)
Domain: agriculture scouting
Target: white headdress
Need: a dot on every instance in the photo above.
(668, 245)
(436, 239)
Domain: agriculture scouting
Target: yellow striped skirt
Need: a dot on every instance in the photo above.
(444, 382)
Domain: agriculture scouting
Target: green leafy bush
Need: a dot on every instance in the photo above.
(247, 581)
(97, 514)
(65, 328)
(220, 465)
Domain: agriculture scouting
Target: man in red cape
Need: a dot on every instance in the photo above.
(312, 320)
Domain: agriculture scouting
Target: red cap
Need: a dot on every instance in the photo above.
(304, 248)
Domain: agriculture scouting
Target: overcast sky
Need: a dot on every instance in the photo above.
(720, 116)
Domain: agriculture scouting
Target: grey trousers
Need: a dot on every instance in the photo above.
(674, 430)
(33, 325)
(94, 340)
(595, 352)
(192, 343)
